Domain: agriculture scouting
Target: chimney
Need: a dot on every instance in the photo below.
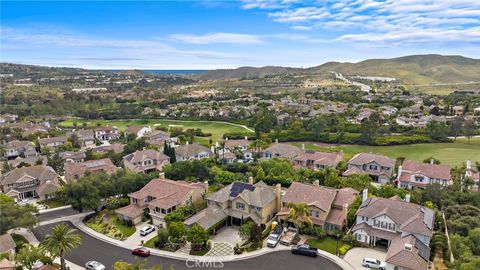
(161, 176)
(365, 195)
(187, 143)
(246, 138)
(276, 140)
(217, 144)
(316, 183)
(278, 191)
(407, 198)
(206, 186)
(303, 146)
(226, 138)
(408, 247)
(212, 148)
(469, 164)
(431, 161)
(345, 209)
(250, 180)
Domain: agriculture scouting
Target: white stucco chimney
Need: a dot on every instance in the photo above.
(407, 198)
(250, 180)
(316, 183)
(246, 138)
(276, 140)
(365, 194)
(469, 164)
(432, 161)
(303, 146)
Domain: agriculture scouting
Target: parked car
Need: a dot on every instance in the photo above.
(289, 237)
(373, 263)
(141, 251)
(273, 240)
(94, 265)
(305, 250)
(146, 230)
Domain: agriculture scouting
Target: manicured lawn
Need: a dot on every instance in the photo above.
(53, 203)
(328, 244)
(217, 129)
(448, 153)
(150, 243)
(125, 230)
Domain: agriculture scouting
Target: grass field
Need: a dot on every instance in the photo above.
(217, 129)
(328, 244)
(448, 153)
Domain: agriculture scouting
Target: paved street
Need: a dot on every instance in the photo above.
(57, 214)
(94, 249)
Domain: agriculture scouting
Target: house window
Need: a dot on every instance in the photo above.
(373, 167)
(240, 206)
(359, 237)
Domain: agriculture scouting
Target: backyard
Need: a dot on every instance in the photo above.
(448, 153)
(217, 129)
(107, 222)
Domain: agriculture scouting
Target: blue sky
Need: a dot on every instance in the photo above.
(228, 34)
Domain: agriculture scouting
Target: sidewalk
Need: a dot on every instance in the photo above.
(77, 222)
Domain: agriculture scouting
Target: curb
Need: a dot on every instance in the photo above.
(231, 258)
(54, 209)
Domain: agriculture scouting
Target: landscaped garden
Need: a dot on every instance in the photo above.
(107, 222)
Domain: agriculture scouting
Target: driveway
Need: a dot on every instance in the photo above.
(224, 241)
(355, 256)
(135, 239)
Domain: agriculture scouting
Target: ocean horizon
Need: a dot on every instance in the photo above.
(160, 71)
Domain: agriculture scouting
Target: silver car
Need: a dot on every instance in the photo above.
(94, 265)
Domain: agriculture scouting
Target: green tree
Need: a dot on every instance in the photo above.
(318, 125)
(29, 254)
(13, 215)
(61, 240)
(162, 238)
(299, 214)
(369, 128)
(83, 195)
(223, 177)
(437, 130)
(250, 231)
(469, 129)
(177, 231)
(474, 236)
(198, 236)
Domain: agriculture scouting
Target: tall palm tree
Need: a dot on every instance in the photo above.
(299, 214)
(60, 241)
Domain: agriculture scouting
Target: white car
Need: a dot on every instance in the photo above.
(146, 230)
(273, 240)
(373, 263)
(94, 265)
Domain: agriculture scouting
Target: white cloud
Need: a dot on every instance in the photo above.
(210, 38)
(301, 27)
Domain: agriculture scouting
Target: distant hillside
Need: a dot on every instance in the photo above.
(245, 72)
(418, 69)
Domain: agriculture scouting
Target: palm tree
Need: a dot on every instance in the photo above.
(60, 241)
(299, 214)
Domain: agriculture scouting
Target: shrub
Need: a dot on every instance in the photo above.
(162, 238)
(344, 248)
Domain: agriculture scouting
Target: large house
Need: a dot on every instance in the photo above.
(378, 167)
(238, 202)
(157, 137)
(139, 131)
(281, 150)
(75, 171)
(104, 134)
(85, 137)
(72, 157)
(397, 224)
(327, 207)
(160, 197)
(29, 182)
(7, 246)
(52, 142)
(317, 160)
(414, 174)
(146, 161)
(192, 151)
(114, 147)
(232, 148)
(16, 149)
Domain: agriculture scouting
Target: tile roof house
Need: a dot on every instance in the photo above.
(85, 137)
(146, 161)
(27, 182)
(192, 151)
(393, 222)
(473, 174)
(233, 148)
(378, 167)
(417, 174)
(7, 245)
(6, 265)
(16, 149)
(115, 147)
(160, 197)
(33, 160)
(72, 157)
(281, 150)
(52, 142)
(107, 133)
(317, 160)
(237, 202)
(139, 131)
(75, 171)
(327, 207)
(157, 137)
(407, 252)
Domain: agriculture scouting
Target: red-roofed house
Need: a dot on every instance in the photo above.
(415, 174)
(160, 197)
(317, 160)
(327, 207)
